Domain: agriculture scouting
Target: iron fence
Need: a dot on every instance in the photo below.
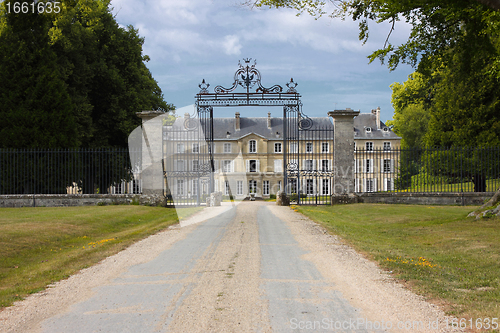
(425, 170)
(67, 171)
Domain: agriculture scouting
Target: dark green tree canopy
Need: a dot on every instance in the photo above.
(75, 78)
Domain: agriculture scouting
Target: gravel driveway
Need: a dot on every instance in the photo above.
(255, 267)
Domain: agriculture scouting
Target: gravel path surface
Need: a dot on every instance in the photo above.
(255, 267)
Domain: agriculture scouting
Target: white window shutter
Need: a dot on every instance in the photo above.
(371, 165)
(231, 167)
(385, 184)
(257, 165)
(248, 165)
(392, 165)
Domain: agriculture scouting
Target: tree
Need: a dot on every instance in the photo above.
(35, 106)
(411, 101)
(73, 79)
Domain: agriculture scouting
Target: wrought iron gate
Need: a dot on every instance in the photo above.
(191, 140)
(308, 157)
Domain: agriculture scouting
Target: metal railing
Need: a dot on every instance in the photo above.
(428, 170)
(67, 171)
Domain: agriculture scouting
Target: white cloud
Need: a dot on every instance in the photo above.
(232, 45)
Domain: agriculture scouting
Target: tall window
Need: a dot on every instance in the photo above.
(387, 166)
(252, 146)
(252, 186)
(325, 147)
(308, 165)
(196, 165)
(368, 165)
(265, 187)
(239, 187)
(369, 146)
(325, 165)
(180, 148)
(387, 145)
(309, 186)
(227, 148)
(309, 147)
(196, 148)
(252, 166)
(180, 165)
(279, 185)
(195, 186)
(325, 189)
(277, 147)
(180, 186)
(226, 166)
(370, 185)
(226, 188)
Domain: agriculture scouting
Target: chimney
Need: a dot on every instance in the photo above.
(237, 121)
(269, 120)
(377, 117)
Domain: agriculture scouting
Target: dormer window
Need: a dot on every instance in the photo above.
(386, 129)
(252, 146)
(368, 130)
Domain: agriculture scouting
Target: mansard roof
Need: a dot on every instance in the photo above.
(369, 120)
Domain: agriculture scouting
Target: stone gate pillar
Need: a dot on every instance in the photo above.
(151, 169)
(343, 150)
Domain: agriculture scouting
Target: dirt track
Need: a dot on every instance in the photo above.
(257, 267)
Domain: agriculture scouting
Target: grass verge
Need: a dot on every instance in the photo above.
(39, 246)
(435, 250)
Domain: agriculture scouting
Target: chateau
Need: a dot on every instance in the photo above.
(248, 157)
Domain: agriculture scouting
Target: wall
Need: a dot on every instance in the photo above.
(66, 200)
(444, 198)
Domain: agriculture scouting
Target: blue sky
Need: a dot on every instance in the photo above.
(191, 40)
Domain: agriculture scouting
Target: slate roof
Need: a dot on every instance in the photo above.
(369, 120)
(224, 128)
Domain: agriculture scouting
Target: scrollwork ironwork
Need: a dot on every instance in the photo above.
(247, 76)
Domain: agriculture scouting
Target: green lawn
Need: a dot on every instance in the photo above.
(39, 246)
(436, 250)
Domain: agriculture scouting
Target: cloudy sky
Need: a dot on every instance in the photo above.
(191, 40)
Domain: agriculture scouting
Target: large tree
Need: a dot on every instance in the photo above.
(94, 69)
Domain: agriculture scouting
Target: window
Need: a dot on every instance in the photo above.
(387, 166)
(387, 145)
(325, 147)
(388, 184)
(293, 185)
(368, 165)
(265, 187)
(252, 146)
(368, 130)
(252, 186)
(196, 165)
(196, 148)
(309, 147)
(195, 187)
(369, 146)
(239, 187)
(180, 186)
(227, 148)
(308, 165)
(278, 165)
(180, 148)
(293, 147)
(226, 188)
(309, 186)
(277, 147)
(227, 166)
(180, 165)
(252, 166)
(325, 188)
(370, 185)
(279, 185)
(354, 146)
(325, 165)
